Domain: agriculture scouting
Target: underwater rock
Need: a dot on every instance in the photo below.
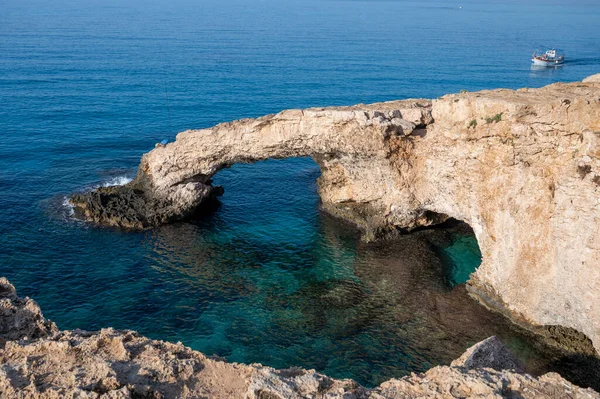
(123, 364)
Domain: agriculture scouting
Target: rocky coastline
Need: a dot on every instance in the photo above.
(521, 167)
(37, 360)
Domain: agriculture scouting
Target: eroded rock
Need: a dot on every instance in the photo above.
(489, 353)
(21, 318)
(592, 79)
(134, 207)
(522, 168)
(351, 144)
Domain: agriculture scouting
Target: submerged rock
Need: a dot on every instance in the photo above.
(124, 364)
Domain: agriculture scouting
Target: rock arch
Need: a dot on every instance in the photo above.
(521, 167)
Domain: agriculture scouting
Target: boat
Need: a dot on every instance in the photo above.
(549, 58)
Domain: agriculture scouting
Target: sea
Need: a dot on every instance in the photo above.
(87, 87)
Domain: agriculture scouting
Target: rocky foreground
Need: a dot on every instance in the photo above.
(521, 167)
(39, 361)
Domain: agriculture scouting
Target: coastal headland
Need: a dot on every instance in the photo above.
(521, 167)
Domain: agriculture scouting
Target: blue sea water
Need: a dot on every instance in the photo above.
(266, 278)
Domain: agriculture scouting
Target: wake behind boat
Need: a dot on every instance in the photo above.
(549, 58)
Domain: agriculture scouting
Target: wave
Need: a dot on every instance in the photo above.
(117, 181)
(68, 206)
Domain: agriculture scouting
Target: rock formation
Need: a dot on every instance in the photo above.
(351, 144)
(21, 318)
(490, 353)
(521, 167)
(112, 364)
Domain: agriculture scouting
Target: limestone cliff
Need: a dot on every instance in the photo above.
(521, 167)
(112, 364)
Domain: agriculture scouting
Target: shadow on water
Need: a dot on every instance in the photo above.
(265, 278)
(582, 370)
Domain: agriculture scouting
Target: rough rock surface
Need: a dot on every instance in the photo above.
(114, 364)
(591, 79)
(134, 208)
(521, 167)
(490, 353)
(21, 318)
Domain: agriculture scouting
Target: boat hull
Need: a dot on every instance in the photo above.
(539, 62)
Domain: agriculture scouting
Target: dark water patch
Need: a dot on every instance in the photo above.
(582, 370)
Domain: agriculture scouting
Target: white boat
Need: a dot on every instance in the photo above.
(549, 58)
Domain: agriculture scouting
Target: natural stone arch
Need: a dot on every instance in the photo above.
(522, 168)
(356, 149)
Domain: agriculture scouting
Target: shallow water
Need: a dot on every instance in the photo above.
(266, 278)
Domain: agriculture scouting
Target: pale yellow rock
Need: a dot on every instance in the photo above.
(592, 79)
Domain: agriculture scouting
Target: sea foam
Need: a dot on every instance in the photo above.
(117, 181)
(68, 206)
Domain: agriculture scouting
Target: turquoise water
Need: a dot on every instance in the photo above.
(460, 258)
(266, 278)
